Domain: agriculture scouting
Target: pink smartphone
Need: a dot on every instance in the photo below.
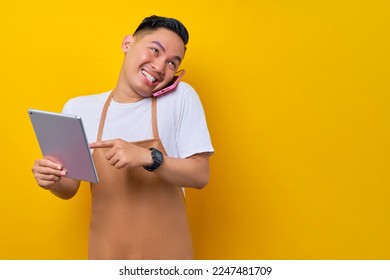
(171, 86)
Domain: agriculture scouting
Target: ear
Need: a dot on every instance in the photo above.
(126, 42)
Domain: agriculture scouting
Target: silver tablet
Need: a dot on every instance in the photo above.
(62, 138)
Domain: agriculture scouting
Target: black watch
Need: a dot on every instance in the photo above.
(158, 159)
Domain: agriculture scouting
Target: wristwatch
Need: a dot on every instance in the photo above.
(158, 159)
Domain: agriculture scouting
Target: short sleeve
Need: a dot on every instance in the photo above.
(192, 134)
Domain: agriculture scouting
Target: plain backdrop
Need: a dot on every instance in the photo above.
(296, 95)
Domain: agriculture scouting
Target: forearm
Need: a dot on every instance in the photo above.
(66, 188)
(191, 172)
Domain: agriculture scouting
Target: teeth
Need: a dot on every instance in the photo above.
(148, 76)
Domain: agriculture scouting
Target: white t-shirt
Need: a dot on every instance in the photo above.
(181, 120)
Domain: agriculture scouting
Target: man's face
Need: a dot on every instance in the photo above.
(151, 60)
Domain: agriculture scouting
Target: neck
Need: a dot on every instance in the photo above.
(123, 96)
(123, 93)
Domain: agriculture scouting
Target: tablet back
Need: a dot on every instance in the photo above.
(62, 139)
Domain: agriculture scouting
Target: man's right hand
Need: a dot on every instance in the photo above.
(47, 173)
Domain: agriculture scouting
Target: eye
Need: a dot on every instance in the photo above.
(154, 50)
(172, 64)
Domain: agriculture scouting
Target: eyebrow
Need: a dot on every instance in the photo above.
(164, 50)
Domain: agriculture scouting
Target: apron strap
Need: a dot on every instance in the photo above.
(154, 118)
(104, 114)
(103, 118)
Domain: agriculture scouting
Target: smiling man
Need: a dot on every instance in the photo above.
(145, 149)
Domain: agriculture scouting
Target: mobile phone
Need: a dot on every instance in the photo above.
(172, 84)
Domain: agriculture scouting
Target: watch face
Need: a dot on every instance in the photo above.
(158, 159)
(158, 155)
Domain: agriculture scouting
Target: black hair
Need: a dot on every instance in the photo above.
(155, 22)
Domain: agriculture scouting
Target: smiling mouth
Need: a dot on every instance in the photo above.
(148, 76)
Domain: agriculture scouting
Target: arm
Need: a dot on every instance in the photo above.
(193, 171)
(190, 172)
(50, 176)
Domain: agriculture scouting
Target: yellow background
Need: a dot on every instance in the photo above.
(297, 100)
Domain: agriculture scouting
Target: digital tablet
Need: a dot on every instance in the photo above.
(62, 139)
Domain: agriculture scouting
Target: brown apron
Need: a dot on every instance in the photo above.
(135, 214)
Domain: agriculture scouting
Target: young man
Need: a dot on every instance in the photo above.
(145, 150)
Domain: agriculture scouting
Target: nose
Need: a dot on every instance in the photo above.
(158, 66)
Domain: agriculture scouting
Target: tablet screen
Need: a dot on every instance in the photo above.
(62, 138)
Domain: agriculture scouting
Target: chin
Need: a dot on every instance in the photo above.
(145, 94)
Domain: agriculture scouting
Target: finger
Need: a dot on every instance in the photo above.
(47, 163)
(47, 185)
(48, 171)
(113, 161)
(49, 178)
(47, 181)
(119, 164)
(102, 144)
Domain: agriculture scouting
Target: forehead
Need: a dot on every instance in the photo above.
(167, 38)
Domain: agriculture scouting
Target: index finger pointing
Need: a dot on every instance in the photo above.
(101, 144)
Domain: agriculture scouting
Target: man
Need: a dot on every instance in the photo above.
(145, 150)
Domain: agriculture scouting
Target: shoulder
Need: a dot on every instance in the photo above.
(94, 98)
(85, 102)
(183, 94)
(184, 89)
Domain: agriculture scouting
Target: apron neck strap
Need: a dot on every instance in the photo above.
(154, 118)
(104, 114)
